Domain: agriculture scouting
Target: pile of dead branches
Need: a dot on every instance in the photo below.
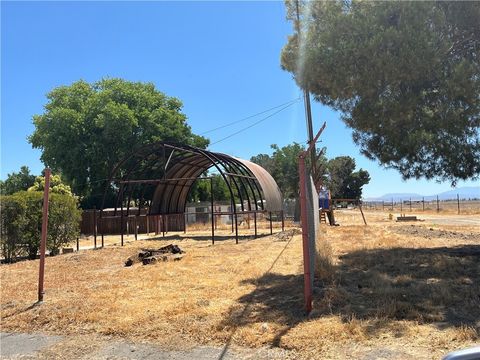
(150, 256)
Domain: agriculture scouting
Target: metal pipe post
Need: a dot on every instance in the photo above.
(101, 226)
(255, 223)
(136, 227)
(458, 204)
(212, 211)
(410, 204)
(423, 204)
(283, 220)
(121, 227)
(236, 228)
(271, 226)
(438, 205)
(43, 241)
(78, 245)
(94, 227)
(163, 225)
(185, 218)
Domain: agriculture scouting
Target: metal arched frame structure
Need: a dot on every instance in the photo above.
(159, 176)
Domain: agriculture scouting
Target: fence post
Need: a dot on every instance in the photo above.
(410, 204)
(458, 204)
(423, 204)
(271, 227)
(121, 226)
(383, 205)
(392, 204)
(43, 240)
(401, 206)
(212, 209)
(101, 226)
(438, 205)
(94, 227)
(136, 228)
(185, 219)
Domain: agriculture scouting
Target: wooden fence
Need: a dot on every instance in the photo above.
(108, 223)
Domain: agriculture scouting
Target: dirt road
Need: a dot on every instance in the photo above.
(41, 346)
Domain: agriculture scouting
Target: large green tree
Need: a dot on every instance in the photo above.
(343, 181)
(17, 181)
(283, 166)
(201, 190)
(405, 75)
(87, 128)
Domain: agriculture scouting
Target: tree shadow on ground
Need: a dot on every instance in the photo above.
(427, 285)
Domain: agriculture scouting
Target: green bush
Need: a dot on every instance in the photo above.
(21, 221)
(11, 225)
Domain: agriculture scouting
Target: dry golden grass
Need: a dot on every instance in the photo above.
(409, 295)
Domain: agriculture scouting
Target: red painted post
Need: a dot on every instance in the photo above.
(306, 248)
(43, 242)
(94, 227)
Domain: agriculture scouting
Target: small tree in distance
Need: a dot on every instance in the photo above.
(17, 181)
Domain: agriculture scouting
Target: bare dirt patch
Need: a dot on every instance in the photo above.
(430, 232)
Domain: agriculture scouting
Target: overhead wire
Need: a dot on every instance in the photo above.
(250, 117)
(255, 123)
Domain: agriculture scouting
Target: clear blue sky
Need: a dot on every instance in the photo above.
(222, 59)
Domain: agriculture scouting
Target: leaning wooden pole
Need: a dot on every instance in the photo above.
(43, 241)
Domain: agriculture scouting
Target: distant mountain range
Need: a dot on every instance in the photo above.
(467, 192)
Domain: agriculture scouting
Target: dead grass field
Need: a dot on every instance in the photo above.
(395, 290)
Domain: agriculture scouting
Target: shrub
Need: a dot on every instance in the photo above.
(22, 223)
(11, 224)
(63, 222)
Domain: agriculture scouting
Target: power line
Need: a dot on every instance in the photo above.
(251, 116)
(255, 123)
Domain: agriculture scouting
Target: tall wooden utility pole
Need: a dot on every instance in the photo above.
(306, 98)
